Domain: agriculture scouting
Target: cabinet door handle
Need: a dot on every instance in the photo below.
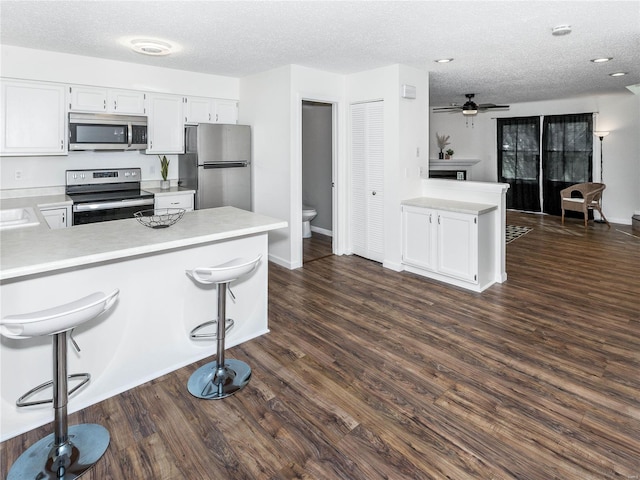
(373, 193)
(438, 219)
(430, 219)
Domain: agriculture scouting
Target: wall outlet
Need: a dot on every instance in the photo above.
(18, 175)
(152, 169)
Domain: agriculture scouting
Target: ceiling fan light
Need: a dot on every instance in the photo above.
(469, 111)
(151, 47)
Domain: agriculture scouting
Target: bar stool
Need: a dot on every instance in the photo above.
(224, 377)
(69, 451)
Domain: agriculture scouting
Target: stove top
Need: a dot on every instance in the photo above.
(102, 185)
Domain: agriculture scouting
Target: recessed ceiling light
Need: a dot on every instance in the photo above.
(560, 30)
(618, 74)
(444, 60)
(150, 47)
(601, 59)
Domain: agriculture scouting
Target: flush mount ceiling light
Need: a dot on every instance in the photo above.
(601, 59)
(151, 47)
(561, 30)
(444, 60)
(618, 74)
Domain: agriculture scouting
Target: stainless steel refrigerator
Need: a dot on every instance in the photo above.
(217, 165)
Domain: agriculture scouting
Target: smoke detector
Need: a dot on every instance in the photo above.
(561, 30)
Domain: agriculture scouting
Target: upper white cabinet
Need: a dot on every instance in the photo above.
(165, 128)
(210, 110)
(96, 99)
(33, 118)
(225, 111)
(450, 241)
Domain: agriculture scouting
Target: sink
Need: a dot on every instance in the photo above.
(18, 218)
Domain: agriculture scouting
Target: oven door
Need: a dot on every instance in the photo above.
(105, 211)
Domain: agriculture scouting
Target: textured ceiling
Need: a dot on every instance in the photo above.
(503, 50)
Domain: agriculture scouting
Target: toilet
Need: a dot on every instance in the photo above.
(308, 214)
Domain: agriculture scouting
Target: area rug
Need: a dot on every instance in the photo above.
(514, 231)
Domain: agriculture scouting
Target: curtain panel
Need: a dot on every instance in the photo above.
(567, 156)
(519, 161)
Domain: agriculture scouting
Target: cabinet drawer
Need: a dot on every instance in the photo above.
(175, 201)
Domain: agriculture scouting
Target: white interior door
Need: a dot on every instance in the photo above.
(367, 180)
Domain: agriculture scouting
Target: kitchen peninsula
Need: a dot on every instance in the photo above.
(146, 334)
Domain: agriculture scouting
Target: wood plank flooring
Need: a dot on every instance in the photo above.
(373, 374)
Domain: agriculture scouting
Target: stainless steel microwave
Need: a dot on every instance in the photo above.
(97, 131)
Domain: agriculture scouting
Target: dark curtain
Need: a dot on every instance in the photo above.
(519, 161)
(567, 156)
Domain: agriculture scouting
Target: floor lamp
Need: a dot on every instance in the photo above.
(601, 135)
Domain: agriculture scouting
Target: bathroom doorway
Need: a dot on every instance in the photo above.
(317, 178)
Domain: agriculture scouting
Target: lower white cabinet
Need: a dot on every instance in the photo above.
(57, 217)
(450, 245)
(175, 200)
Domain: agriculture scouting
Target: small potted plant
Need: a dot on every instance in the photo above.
(164, 171)
(449, 154)
(443, 141)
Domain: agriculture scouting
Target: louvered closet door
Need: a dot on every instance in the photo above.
(367, 180)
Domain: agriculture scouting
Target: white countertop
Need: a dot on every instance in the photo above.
(450, 205)
(27, 251)
(159, 192)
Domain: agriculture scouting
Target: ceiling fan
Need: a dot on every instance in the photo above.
(470, 107)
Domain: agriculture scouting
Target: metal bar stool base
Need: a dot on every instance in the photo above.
(210, 384)
(87, 443)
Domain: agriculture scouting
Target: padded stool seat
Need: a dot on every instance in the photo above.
(68, 452)
(221, 378)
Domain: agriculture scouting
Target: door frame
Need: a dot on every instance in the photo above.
(338, 222)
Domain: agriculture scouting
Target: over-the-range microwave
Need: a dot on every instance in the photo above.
(97, 131)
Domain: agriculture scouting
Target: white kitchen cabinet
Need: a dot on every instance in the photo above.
(127, 102)
(419, 235)
(450, 241)
(175, 200)
(225, 111)
(198, 110)
(367, 180)
(56, 217)
(33, 118)
(103, 100)
(210, 110)
(165, 128)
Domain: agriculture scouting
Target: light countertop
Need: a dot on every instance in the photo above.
(450, 205)
(27, 251)
(159, 192)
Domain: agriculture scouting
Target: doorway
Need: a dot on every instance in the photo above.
(317, 178)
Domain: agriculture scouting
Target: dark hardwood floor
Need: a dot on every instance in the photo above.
(370, 374)
(316, 247)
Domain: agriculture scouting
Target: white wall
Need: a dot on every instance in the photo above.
(266, 107)
(30, 64)
(405, 142)
(48, 171)
(618, 113)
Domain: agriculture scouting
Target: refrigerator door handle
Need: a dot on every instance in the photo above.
(225, 164)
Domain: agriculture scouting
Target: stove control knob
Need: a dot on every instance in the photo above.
(126, 174)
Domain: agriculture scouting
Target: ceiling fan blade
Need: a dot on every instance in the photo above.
(495, 106)
(447, 109)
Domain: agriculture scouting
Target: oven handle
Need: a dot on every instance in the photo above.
(129, 133)
(86, 207)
